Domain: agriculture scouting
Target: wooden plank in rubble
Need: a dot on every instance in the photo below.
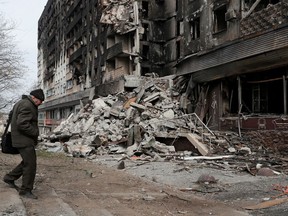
(267, 204)
(201, 147)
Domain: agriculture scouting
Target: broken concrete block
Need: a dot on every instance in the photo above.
(160, 147)
(231, 150)
(121, 165)
(138, 106)
(245, 150)
(113, 137)
(167, 106)
(106, 114)
(152, 97)
(140, 94)
(99, 103)
(114, 112)
(98, 141)
(89, 123)
(145, 115)
(122, 115)
(130, 139)
(137, 134)
(168, 124)
(132, 149)
(132, 81)
(130, 112)
(169, 114)
(149, 84)
(137, 120)
(80, 150)
(183, 101)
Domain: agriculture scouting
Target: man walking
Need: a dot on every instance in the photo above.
(25, 131)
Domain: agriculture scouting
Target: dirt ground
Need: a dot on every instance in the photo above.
(234, 186)
(74, 186)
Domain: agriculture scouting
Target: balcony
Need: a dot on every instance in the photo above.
(78, 53)
(73, 7)
(117, 50)
(71, 25)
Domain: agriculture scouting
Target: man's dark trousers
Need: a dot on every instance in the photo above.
(26, 169)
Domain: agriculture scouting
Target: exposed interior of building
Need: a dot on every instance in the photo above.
(232, 55)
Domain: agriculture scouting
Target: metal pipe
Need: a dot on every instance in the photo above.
(239, 103)
(285, 94)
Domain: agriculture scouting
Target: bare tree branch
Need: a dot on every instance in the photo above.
(11, 64)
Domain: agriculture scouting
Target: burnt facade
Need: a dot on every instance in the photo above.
(232, 52)
(83, 44)
(235, 55)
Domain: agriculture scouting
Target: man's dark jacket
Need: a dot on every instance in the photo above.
(24, 123)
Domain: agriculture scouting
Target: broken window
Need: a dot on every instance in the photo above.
(69, 84)
(145, 51)
(145, 70)
(220, 23)
(159, 1)
(50, 92)
(195, 28)
(146, 31)
(178, 49)
(102, 48)
(263, 93)
(259, 99)
(110, 41)
(145, 8)
(180, 28)
(111, 65)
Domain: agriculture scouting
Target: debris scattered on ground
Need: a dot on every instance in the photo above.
(147, 123)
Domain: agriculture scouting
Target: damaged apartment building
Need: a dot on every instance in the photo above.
(228, 58)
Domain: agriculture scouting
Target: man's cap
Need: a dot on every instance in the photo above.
(38, 93)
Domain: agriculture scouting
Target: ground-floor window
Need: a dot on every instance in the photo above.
(262, 92)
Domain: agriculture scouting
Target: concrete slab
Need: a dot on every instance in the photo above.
(10, 202)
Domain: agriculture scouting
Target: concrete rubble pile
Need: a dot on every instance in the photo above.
(130, 124)
(120, 14)
(123, 123)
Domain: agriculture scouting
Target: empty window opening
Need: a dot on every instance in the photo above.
(111, 65)
(195, 29)
(262, 93)
(258, 97)
(178, 49)
(145, 51)
(146, 31)
(102, 48)
(145, 9)
(220, 23)
(145, 70)
(180, 28)
(159, 1)
(110, 41)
